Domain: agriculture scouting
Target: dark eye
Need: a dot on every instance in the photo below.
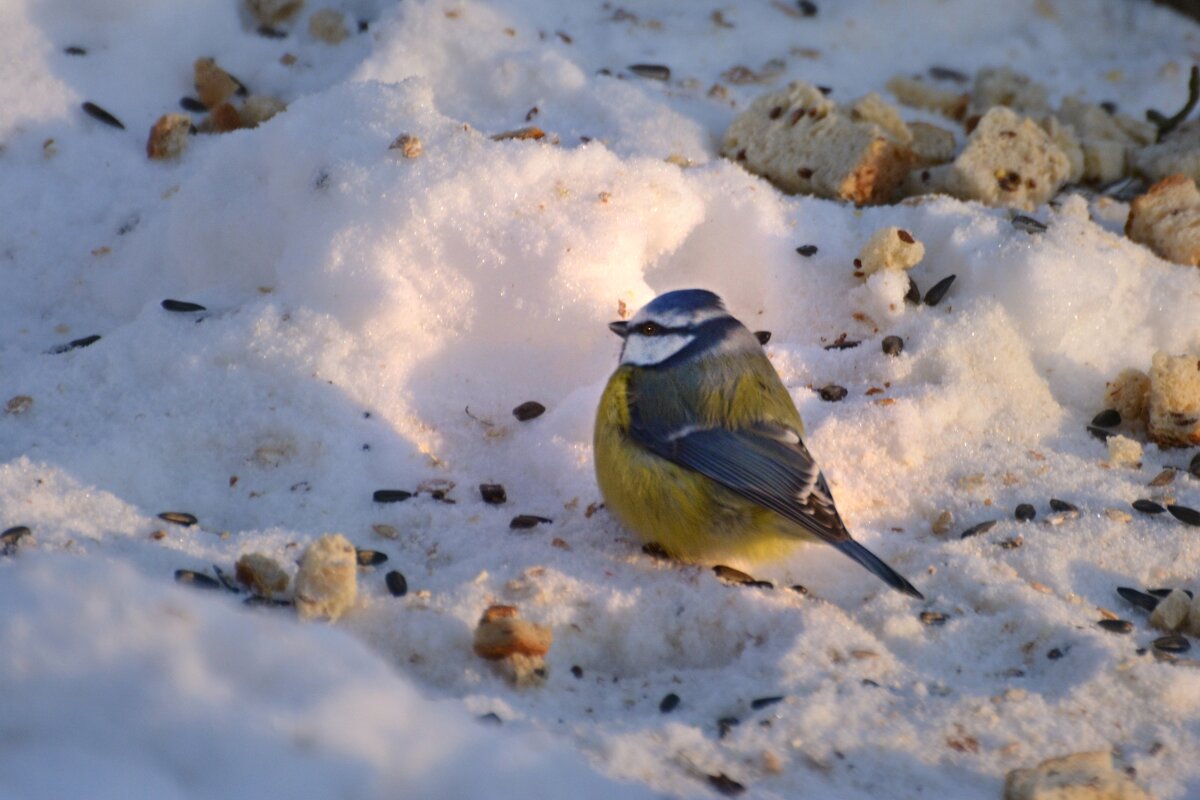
(649, 329)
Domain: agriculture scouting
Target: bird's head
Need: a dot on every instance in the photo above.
(680, 326)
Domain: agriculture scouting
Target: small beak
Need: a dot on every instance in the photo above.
(620, 328)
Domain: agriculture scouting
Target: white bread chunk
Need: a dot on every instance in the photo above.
(1177, 154)
(916, 93)
(1124, 452)
(1064, 137)
(258, 108)
(890, 248)
(1171, 612)
(1174, 400)
(1079, 776)
(169, 137)
(1129, 395)
(799, 141)
(1001, 86)
(931, 145)
(1167, 220)
(327, 583)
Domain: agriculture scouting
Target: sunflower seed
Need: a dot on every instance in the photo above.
(1100, 433)
(1146, 602)
(1164, 478)
(668, 703)
(657, 72)
(947, 74)
(1025, 512)
(1175, 643)
(763, 702)
(763, 337)
(1013, 543)
(525, 521)
(75, 344)
(724, 784)
(197, 579)
(1108, 418)
(267, 32)
(730, 575)
(193, 105)
(935, 295)
(913, 295)
(182, 306)
(1059, 517)
(577, 671)
(10, 540)
(1186, 515)
(1117, 515)
(226, 581)
(1054, 654)
(807, 250)
(1148, 506)
(390, 495)
(892, 345)
(943, 522)
(975, 530)
(799, 589)
(1116, 625)
(369, 558)
(1028, 224)
(75, 50)
(529, 410)
(257, 600)
(807, 7)
(842, 343)
(493, 493)
(1194, 466)
(1063, 505)
(178, 518)
(832, 393)
(396, 583)
(725, 725)
(96, 112)
(933, 618)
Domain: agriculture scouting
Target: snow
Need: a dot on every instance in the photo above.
(373, 319)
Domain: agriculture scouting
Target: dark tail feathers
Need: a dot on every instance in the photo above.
(873, 563)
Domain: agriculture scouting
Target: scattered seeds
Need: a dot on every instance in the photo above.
(807, 250)
(975, 530)
(668, 703)
(1117, 515)
(577, 671)
(493, 493)
(521, 134)
(1028, 224)
(763, 337)
(842, 343)
(1013, 543)
(725, 785)
(893, 345)
(408, 145)
(182, 306)
(1054, 654)
(396, 583)
(730, 575)
(913, 295)
(1164, 478)
(390, 495)
(10, 540)
(369, 558)
(1147, 506)
(528, 410)
(763, 702)
(1184, 514)
(1174, 643)
(1025, 512)
(1146, 602)
(197, 579)
(18, 404)
(656, 72)
(525, 521)
(1059, 517)
(935, 295)
(96, 112)
(725, 725)
(267, 32)
(75, 344)
(75, 50)
(178, 518)
(1108, 418)
(193, 105)
(942, 524)
(933, 618)
(947, 74)
(1116, 625)
(807, 8)
(832, 393)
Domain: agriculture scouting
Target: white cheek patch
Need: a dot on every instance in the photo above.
(645, 351)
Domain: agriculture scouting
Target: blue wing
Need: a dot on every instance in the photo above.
(769, 465)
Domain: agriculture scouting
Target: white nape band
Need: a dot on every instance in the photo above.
(646, 351)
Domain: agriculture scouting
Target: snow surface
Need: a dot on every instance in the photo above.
(371, 322)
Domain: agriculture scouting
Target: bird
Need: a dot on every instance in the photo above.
(698, 447)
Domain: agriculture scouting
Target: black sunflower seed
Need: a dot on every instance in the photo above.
(726, 785)
(241, 90)
(799, 589)
(807, 250)
(267, 32)
(178, 518)
(182, 306)
(1054, 654)
(1194, 466)
(1164, 478)
(197, 579)
(193, 105)
(1146, 602)
(10, 540)
(1028, 224)
(493, 493)
(731, 575)
(1116, 625)
(657, 72)
(75, 344)
(913, 295)
(396, 583)
(390, 495)
(369, 558)
(1184, 514)
(525, 521)
(1174, 643)
(935, 295)
(843, 344)
(491, 718)
(75, 50)
(529, 410)
(226, 581)
(258, 601)
(725, 725)
(668, 703)
(933, 618)
(1100, 433)
(1025, 512)
(1148, 506)
(96, 112)
(577, 671)
(763, 702)
(892, 345)
(832, 393)
(762, 336)
(1062, 505)
(947, 74)
(807, 7)
(1108, 418)
(975, 530)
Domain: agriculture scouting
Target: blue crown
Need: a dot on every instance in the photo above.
(684, 301)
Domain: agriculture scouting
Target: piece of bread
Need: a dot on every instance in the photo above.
(261, 574)
(327, 582)
(1124, 452)
(328, 25)
(1167, 220)
(799, 141)
(1129, 395)
(213, 85)
(1008, 161)
(274, 12)
(1177, 154)
(916, 93)
(890, 248)
(873, 108)
(1064, 137)
(931, 145)
(1174, 400)
(258, 108)
(1171, 612)
(169, 136)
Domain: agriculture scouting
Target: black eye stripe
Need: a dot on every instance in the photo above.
(654, 329)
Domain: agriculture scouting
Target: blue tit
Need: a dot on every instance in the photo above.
(698, 444)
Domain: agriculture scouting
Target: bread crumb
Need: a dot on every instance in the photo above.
(1124, 452)
(261, 574)
(169, 136)
(1174, 400)
(519, 645)
(890, 248)
(1178, 153)
(1171, 612)
(258, 108)
(327, 583)
(213, 85)
(408, 145)
(1129, 395)
(915, 93)
(1167, 220)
